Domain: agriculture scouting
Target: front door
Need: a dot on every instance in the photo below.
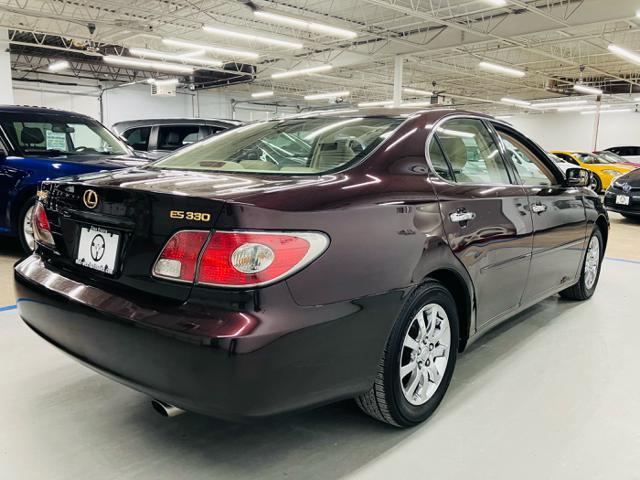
(558, 212)
(486, 215)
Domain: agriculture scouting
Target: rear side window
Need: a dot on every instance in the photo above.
(138, 138)
(439, 162)
(172, 137)
(472, 153)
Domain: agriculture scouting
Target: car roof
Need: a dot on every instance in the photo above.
(38, 110)
(174, 121)
(433, 114)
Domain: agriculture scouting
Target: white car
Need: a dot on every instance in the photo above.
(630, 153)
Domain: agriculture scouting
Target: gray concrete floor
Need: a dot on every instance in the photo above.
(551, 394)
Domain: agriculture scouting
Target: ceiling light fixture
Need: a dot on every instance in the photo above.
(381, 103)
(327, 95)
(416, 104)
(624, 53)
(560, 104)
(223, 32)
(504, 117)
(417, 91)
(167, 81)
(492, 67)
(58, 66)
(147, 65)
(617, 110)
(210, 48)
(498, 3)
(265, 94)
(302, 71)
(515, 101)
(586, 89)
(145, 53)
(304, 25)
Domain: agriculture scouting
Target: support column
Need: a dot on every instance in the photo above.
(398, 63)
(6, 84)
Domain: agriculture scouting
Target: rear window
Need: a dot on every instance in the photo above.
(293, 146)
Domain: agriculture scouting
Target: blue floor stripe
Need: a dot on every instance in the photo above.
(8, 307)
(623, 260)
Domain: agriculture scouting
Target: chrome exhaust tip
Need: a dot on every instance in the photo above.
(166, 409)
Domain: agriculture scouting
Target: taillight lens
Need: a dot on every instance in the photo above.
(41, 228)
(239, 259)
(179, 257)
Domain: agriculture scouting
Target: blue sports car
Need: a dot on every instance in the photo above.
(38, 144)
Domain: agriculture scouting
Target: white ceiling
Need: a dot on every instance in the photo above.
(440, 41)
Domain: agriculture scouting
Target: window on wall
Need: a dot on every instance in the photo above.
(530, 168)
(472, 153)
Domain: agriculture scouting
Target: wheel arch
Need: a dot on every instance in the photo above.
(462, 295)
(18, 200)
(603, 225)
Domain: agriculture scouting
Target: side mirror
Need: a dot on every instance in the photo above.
(577, 177)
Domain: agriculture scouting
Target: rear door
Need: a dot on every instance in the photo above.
(485, 214)
(559, 218)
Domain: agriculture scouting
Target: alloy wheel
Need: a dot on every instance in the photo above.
(425, 354)
(591, 263)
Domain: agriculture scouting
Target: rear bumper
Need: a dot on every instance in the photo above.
(233, 364)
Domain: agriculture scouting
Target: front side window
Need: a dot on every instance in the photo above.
(472, 153)
(531, 169)
(54, 135)
(297, 145)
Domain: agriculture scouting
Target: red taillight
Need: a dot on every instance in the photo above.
(41, 228)
(179, 257)
(243, 259)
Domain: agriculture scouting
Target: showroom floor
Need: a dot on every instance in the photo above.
(550, 394)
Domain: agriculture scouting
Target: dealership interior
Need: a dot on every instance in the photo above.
(551, 392)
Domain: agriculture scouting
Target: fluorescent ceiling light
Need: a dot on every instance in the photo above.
(322, 96)
(515, 101)
(143, 52)
(498, 3)
(381, 103)
(416, 91)
(210, 48)
(560, 104)
(492, 67)
(265, 94)
(58, 66)
(504, 117)
(624, 53)
(147, 65)
(584, 107)
(586, 89)
(304, 25)
(416, 104)
(617, 110)
(167, 81)
(223, 32)
(302, 71)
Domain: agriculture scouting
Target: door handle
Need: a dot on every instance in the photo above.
(538, 208)
(462, 216)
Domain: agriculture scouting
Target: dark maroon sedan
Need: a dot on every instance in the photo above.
(291, 263)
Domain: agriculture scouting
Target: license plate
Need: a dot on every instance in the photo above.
(622, 199)
(98, 249)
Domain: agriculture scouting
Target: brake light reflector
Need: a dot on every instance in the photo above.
(179, 257)
(41, 227)
(243, 259)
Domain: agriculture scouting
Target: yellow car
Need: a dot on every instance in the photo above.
(604, 171)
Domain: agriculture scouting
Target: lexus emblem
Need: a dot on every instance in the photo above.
(626, 188)
(97, 247)
(90, 199)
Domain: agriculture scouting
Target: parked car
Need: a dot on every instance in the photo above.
(565, 166)
(227, 284)
(629, 153)
(159, 137)
(615, 158)
(623, 195)
(39, 144)
(604, 171)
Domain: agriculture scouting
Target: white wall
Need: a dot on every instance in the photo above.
(6, 93)
(72, 98)
(573, 131)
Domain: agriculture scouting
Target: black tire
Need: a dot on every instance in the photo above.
(385, 400)
(580, 291)
(598, 183)
(24, 208)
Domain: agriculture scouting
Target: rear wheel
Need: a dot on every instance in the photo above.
(25, 225)
(590, 274)
(595, 183)
(418, 361)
